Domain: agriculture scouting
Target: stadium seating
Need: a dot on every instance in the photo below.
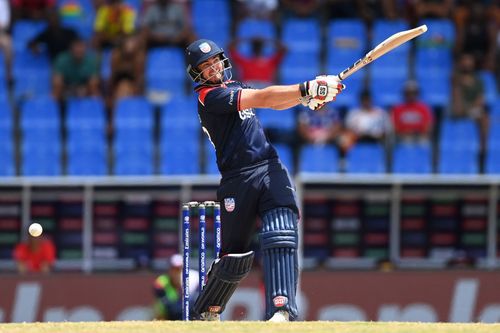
(165, 71)
(366, 158)
(41, 138)
(79, 15)
(210, 158)
(203, 14)
(32, 75)
(7, 165)
(412, 159)
(286, 156)
(86, 145)
(23, 31)
(133, 141)
(299, 67)
(302, 35)
(180, 138)
(319, 158)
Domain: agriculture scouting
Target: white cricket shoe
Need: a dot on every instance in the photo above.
(280, 317)
(210, 316)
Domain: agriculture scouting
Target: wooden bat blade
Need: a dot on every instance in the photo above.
(382, 48)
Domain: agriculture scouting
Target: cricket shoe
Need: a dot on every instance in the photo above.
(210, 316)
(280, 317)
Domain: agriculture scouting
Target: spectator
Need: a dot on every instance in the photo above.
(368, 123)
(56, 38)
(76, 72)
(37, 254)
(468, 94)
(166, 23)
(168, 290)
(412, 119)
(5, 39)
(259, 9)
(341, 9)
(372, 10)
(258, 70)
(32, 9)
(127, 68)
(431, 9)
(476, 33)
(114, 20)
(320, 126)
(301, 8)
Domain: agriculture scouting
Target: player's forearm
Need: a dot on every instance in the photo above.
(269, 97)
(286, 105)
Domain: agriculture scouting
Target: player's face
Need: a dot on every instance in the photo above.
(212, 70)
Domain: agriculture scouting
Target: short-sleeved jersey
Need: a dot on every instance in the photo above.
(237, 135)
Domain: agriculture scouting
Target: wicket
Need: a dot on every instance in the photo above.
(186, 216)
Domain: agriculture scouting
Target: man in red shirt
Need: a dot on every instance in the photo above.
(257, 70)
(412, 119)
(35, 255)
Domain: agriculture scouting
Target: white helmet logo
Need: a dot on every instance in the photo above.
(205, 48)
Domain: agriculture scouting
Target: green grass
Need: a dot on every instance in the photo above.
(250, 327)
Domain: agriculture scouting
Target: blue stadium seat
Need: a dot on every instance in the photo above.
(180, 113)
(495, 108)
(490, 87)
(133, 158)
(440, 35)
(40, 113)
(7, 164)
(86, 113)
(301, 34)
(460, 135)
(318, 158)
(179, 158)
(346, 43)
(412, 159)
(285, 154)
(281, 120)
(350, 96)
(456, 161)
(203, 12)
(492, 163)
(298, 67)
(366, 158)
(41, 159)
(32, 75)
(133, 113)
(435, 90)
(23, 31)
(87, 159)
(6, 120)
(165, 70)
(251, 27)
(386, 91)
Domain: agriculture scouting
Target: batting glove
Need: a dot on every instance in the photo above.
(324, 88)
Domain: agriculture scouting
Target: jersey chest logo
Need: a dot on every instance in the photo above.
(246, 114)
(229, 204)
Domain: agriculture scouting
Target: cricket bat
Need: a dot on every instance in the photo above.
(387, 45)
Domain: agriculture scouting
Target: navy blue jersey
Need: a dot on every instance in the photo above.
(237, 134)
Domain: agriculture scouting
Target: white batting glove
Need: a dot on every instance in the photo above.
(311, 103)
(323, 88)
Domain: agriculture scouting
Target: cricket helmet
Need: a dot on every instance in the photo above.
(200, 51)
